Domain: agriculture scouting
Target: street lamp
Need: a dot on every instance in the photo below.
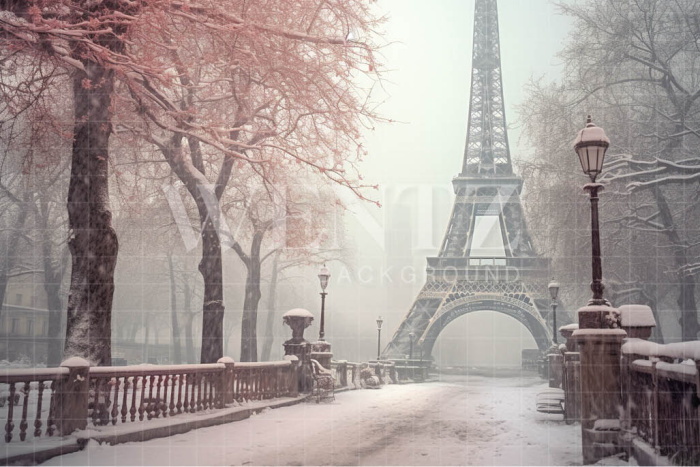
(323, 275)
(380, 321)
(553, 292)
(590, 146)
(411, 336)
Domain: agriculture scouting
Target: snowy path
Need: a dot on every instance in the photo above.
(460, 420)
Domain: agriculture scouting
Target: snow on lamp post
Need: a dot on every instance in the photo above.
(380, 321)
(323, 275)
(554, 292)
(411, 336)
(590, 146)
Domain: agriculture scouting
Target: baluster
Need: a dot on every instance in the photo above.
(236, 383)
(142, 402)
(50, 427)
(115, 400)
(159, 400)
(25, 404)
(186, 385)
(255, 384)
(125, 399)
(199, 391)
(150, 397)
(164, 404)
(212, 378)
(9, 426)
(205, 396)
(179, 393)
(134, 389)
(245, 384)
(96, 402)
(193, 389)
(37, 420)
(173, 382)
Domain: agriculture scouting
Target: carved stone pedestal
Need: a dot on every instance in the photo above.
(599, 341)
(299, 319)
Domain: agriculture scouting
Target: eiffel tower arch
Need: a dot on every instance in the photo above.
(486, 261)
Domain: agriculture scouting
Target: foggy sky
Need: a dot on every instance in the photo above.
(427, 90)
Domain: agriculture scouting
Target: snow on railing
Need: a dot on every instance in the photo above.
(61, 400)
(660, 397)
(28, 394)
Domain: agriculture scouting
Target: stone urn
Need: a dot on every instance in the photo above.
(299, 319)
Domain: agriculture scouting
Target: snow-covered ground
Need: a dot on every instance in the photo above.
(482, 419)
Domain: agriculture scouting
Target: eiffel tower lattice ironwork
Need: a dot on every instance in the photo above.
(486, 261)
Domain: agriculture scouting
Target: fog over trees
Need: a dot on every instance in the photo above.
(191, 95)
(635, 67)
(173, 173)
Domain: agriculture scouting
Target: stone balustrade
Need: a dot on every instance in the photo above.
(660, 400)
(62, 400)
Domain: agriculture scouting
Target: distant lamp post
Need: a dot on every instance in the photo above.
(380, 321)
(554, 292)
(323, 275)
(411, 336)
(590, 146)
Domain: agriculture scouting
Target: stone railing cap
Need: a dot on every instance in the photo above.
(75, 362)
(225, 360)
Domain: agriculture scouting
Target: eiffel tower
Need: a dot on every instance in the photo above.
(486, 261)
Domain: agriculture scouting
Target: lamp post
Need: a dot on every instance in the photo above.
(411, 336)
(590, 146)
(323, 275)
(553, 292)
(380, 321)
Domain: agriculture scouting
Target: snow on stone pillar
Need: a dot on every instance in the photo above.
(599, 339)
(637, 320)
(72, 397)
(566, 332)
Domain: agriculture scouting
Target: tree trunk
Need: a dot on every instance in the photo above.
(53, 278)
(249, 320)
(210, 265)
(12, 248)
(686, 282)
(93, 243)
(213, 307)
(269, 338)
(189, 338)
(147, 339)
(132, 333)
(177, 345)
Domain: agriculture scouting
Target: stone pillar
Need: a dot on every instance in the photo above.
(321, 352)
(227, 380)
(556, 369)
(296, 363)
(566, 332)
(72, 397)
(599, 339)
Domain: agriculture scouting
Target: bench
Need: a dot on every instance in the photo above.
(551, 401)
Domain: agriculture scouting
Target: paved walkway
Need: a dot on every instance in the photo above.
(482, 419)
